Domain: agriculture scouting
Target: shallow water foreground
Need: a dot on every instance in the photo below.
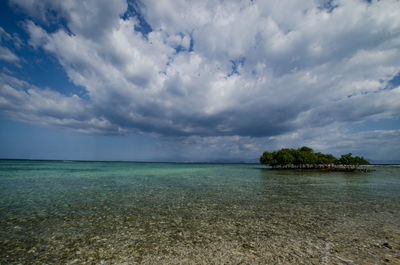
(159, 213)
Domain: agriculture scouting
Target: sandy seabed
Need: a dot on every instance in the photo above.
(277, 233)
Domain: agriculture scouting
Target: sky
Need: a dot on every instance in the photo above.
(181, 80)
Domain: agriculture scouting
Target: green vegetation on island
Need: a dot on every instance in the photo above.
(306, 158)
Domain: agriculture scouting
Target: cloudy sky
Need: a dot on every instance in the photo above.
(177, 80)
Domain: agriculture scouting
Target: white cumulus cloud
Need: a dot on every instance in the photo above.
(216, 68)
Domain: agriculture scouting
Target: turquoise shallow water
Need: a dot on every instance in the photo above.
(115, 212)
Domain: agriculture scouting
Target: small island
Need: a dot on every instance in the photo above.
(305, 158)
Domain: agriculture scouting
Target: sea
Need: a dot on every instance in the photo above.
(77, 212)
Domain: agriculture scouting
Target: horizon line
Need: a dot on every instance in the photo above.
(130, 161)
(168, 162)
